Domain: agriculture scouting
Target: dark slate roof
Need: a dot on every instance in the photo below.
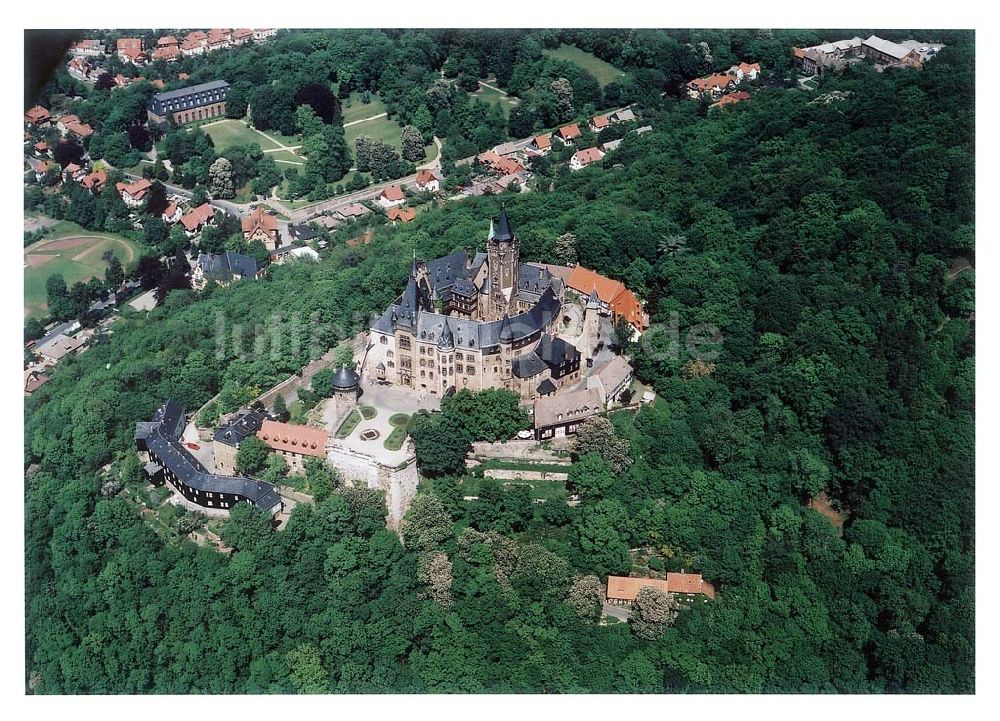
(244, 424)
(159, 436)
(533, 280)
(443, 272)
(191, 89)
(302, 232)
(527, 365)
(447, 338)
(345, 379)
(503, 231)
(506, 334)
(555, 351)
(412, 301)
(464, 287)
(227, 265)
(546, 387)
(383, 324)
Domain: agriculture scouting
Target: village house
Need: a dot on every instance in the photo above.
(218, 39)
(129, 50)
(582, 158)
(87, 47)
(541, 144)
(223, 269)
(568, 133)
(294, 443)
(167, 41)
(94, 181)
(351, 211)
(169, 54)
(428, 182)
(242, 36)
(817, 58)
(611, 380)
(261, 225)
(401, 215)
(391, 196)
(285, 253)
(262, 34)
(58, 347)
(561, 414)
(623, 590)
(172, 213)
(134, 193)
(624, 115)
(37, 116)
(599, 123)
(194, 220)
(79, 130)
(731, 99)
(42, 148)
(712, 85)
(73, 172)
(610, 145)
(38, 167)
(745, 71)
(33, 380)
(194, 43)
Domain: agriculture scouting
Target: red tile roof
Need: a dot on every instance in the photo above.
(403, 215)
(80, 129)
(41, 146)
(568, 132)
(393, 193)
(600, 121)
(303, 440)
(259, 219)
(37, 114)
(425, 176)
(166, 41)
(732, 98)
(136, 189)
(197, 217)
(95, 180)
(620, 299)
(749, 67)
(588, 156)
(543, 141)
(170, 52)
(621, 588)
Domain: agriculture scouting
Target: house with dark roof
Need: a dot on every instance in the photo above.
(167, 460)
(223, 269)
(230, 434)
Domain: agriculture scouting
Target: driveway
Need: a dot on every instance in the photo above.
(619, 612)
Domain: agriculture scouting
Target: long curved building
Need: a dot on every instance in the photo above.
(159, 445)
(476, 321)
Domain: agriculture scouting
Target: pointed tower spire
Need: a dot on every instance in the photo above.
(506, 332)
(503, 226)
(490, 236)
(413, 265)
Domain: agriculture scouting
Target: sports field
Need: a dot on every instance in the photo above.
(72, 252)
(604, 72)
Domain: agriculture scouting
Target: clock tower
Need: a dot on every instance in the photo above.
(503, 251)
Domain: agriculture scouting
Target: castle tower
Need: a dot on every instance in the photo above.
(345, 391)
(591, 324)
(503, 251)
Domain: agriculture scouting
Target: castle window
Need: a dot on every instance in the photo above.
(404, 342)
(383, 340)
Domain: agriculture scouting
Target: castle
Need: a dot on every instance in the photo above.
(476, 321)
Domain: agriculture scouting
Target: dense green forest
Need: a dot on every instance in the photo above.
(821, 234)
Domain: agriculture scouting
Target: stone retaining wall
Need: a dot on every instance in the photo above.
(510, 474)
(399, 484)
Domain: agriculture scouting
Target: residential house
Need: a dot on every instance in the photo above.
(562, 413)
(194, 43)
(289, 252)
(391, 196)
(611, 145)
(37, 116)
(294, 443)
(263, 34)
(129, 50)
(168, 41)
(87, 47)
(745, 71)
(241, 36)
(134, 193)
(38, 167)
(351, 211)
(541, 144)
(172, 213)
(731, 99)
(33, 380)
(643, 129)
(79, 130)
(169, 54)
(599, 123)
(261, 225)
(42, 148)
(568, 133)
(612, 379)
(428, 182)
(624, 115)
(302, 232)
(624, 590)
(401, 215)
(583, 158)
(94, 181)
(511, 148)
(73, 172)
(328, 222)
(218, 39)
(223, 269)
(712, 85)
(196, 219)
(58, 347)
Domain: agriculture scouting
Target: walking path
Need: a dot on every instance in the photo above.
(365, 120)
(493, 87)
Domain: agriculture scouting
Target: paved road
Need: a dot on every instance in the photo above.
(619, 612)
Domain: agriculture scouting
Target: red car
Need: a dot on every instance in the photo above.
(192, 446)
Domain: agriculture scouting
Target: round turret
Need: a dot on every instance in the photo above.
(345, 379)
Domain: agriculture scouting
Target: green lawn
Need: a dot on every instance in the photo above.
(368, 412)
(548, 490)
(88, 261)
(228, 133)
(604, 72)
(491, 96)
(381, 128)
(395, 440)
(353, 109)
(284, 158)
(348, 426)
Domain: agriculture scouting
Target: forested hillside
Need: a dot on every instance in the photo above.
(821, 234)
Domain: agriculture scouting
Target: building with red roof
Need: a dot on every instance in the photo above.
(294, 443)
(583, 158)
(428, 182)
(261, 225)
(134, 193)
(401, 215)
(393, 195)
(194, 220)
(568, 133)
(37, 116)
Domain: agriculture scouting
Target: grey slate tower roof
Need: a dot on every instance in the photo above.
(447, 339)
(506, 332)
(345, 379)
(503, 231)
